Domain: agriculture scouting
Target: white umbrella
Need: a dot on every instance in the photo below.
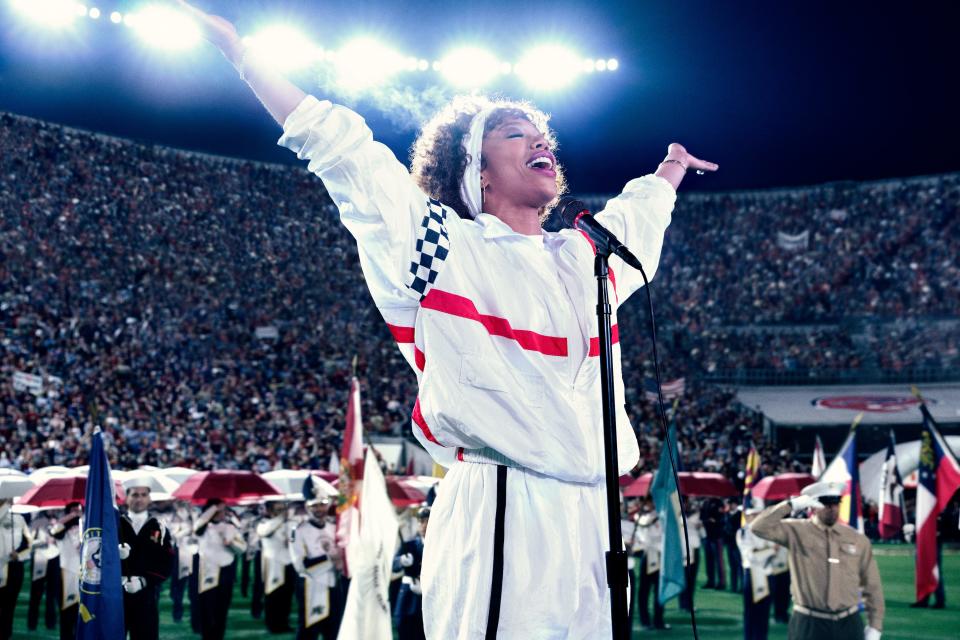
(178, 474)
(290, 482)
(5, 471)
(14, 486)
(42, 474)
(156, 481)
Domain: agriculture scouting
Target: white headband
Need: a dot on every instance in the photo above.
(470, 191)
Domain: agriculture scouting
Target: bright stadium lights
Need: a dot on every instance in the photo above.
(469, 67)
(165, 28)
(549, 67)
(613, 64)
(284, 47)
(115, 17)
(94, 13)
(365, 63)
(49, 13)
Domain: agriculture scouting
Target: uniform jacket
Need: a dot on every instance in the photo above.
(151, 551)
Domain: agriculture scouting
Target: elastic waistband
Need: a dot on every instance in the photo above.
(826, 615)
(486, 455)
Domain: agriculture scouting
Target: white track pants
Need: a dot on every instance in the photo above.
(554, 576)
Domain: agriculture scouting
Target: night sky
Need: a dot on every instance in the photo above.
(779, 94)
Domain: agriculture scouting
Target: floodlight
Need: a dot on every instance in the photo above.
(613, 64)
(284, 47)
(589, 65)
(166, 28)
(48, 13)
(115, 17)
(549, 67)
(94, 13)
(469, 67)
(601, 65)
(365, 62)
(423, 65)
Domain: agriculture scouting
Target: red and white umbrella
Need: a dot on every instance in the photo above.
(781, 487)
(403, 493)
(59, 491)
(233, 487)
(696, 484)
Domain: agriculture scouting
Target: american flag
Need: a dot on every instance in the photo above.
(672, 389)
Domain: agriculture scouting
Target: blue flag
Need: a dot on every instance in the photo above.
(101, 594)
(666, 498)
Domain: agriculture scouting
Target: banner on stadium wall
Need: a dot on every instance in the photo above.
(795, 242)
(23, 381)
(837, 405)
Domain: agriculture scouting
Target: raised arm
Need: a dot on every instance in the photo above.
(278, 95)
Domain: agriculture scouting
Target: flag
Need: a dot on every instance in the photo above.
(750, 477)
(101, 594)
(819, 461)
(793, 241)
(890, 519)
(938, 480)
(844, 468)
(672, 389)
(351, 469)
(367, 614)
(666, 498)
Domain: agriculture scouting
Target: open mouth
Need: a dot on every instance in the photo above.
(543, 163)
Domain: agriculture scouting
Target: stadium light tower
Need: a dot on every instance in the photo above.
(166, 28)
(470, 67)
(365, 63)
(550, 67)
(284, 47)
(49, 13)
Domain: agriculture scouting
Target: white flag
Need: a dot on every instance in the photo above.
(370, 555)
(819, 460)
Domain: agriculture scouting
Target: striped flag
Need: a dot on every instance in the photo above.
(890, 519)
(844, 468)
(351, 468)
(672, 389)
(750, 477)
(819, 461)
(938, 480)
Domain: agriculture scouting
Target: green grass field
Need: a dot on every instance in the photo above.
(718, 613)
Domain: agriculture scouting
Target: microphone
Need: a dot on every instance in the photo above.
(576, 216)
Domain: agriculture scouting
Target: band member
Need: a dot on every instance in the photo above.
(279, 578)
(756, 558)
(44, 561)
(179, 523)
(220, 542)
(650, 535)
(15, 543)
(315, 554)
(146, 561)
(408, 614)
(691, 562)
(68, 534)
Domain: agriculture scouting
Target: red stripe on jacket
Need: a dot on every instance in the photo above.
(595, 342)
(462, 307)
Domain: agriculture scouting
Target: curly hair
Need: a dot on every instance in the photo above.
(438, 159)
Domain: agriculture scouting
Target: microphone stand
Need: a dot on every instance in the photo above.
(616, 557)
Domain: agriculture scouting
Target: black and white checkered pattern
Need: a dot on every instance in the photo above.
(432, 248)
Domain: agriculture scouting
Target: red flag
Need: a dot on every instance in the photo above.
(891, 495)
(351, 469)
(938, 480)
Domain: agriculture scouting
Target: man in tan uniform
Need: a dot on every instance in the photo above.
(830, 563)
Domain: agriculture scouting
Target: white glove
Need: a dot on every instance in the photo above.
(802, 503)
(871, 634)
(124, 551)
(406, 560)
(133, 584)
(417, 589)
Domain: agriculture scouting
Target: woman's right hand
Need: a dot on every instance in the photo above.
(218, 31)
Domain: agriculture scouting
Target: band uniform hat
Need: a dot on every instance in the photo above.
(825, 492)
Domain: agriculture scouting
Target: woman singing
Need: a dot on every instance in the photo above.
(497, 319)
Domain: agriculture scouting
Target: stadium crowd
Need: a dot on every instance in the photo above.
(209, 310)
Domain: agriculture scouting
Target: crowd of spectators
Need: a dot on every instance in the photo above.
(208, 311)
